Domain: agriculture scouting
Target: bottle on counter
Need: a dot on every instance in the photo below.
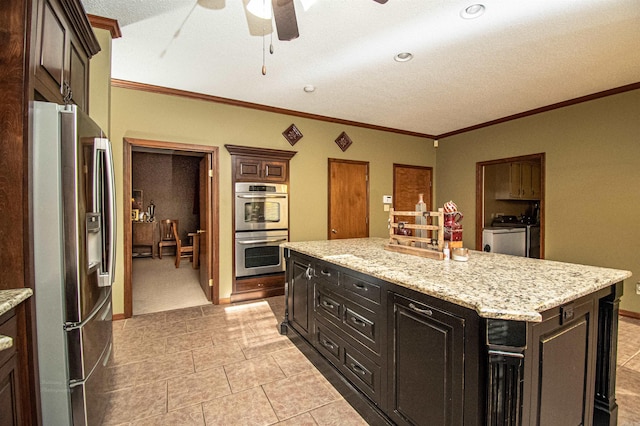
(446, 251)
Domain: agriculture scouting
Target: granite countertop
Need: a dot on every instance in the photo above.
(9, 299)
(494, 285)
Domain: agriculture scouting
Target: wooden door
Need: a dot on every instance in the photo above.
(408, 182)
(348, 199)
(204, 258)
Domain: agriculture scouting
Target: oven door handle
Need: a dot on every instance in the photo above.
(260, 241)
(260, 196)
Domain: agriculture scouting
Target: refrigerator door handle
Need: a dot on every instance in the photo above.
(68, 326)
(106, 275)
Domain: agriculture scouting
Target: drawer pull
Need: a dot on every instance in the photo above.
(361, 286)
(358, 369)
(358, 321)
(422, 311)
(325, 273)
(328, 344)
(328, 305)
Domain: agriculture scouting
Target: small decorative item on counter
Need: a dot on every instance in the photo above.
(446, 251)
(401, 230)
(460, 254)
(452, 218)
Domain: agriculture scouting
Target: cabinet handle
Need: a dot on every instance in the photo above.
(358, 369)
(358, 321)
(328, 305)
(326, 274)
(422, 311)
(361, 286)
(307, 273)
(328, 344)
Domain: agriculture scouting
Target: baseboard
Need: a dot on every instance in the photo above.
(629, 314)
(117, 317)
(224, 301)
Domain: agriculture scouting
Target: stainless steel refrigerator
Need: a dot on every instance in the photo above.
(74, 229)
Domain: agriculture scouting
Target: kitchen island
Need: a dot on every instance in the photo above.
(496, 340)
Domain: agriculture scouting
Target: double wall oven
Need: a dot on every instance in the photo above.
(261, 225)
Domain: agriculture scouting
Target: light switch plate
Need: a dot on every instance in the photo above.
(387, 199)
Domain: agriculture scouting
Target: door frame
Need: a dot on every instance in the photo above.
(480, 194)
(213, 214)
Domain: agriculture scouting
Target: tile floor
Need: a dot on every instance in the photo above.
(217, 365)
(227, 365)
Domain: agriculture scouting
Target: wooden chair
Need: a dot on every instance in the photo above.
(181, 251)
(166, 234)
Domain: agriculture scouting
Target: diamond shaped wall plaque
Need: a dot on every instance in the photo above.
(343, 141)
(292, 134)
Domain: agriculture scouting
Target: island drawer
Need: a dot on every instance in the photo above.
(327, 272)
(327, 304)
(357, 289)
(356, 367)
(356, 324)
(362, 372)
(328, 344)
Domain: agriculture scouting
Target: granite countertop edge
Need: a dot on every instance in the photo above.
(495, 286)
(9, 299)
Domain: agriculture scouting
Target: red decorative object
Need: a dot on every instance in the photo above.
(343, 141)
(292, 134)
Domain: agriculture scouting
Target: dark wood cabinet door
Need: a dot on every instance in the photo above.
(50, 52)
(426, 364)
(274, 170)
(247, 168)
(298, 302)
(257, 169)
(78, 75)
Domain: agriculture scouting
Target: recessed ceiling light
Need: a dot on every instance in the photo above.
(473, 11)
(403, 57)
(309, 88)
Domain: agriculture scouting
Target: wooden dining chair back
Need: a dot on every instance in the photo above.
(167, 238)
(181, 250)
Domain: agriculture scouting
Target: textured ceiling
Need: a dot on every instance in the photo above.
(518, 56)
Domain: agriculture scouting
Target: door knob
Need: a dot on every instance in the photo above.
(201, 231)
(334, 231)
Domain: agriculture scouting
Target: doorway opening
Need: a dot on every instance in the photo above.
(512, 189)
(177, 182)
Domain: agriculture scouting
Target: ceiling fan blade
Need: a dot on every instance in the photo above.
(284, 13)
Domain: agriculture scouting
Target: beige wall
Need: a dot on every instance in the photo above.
(100, 81)
(145, 115)
(592, 179)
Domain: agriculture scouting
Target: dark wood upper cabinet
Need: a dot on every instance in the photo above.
(63, 45)
(259, 164)
(252, 169)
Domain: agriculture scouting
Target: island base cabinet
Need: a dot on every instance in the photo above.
(427, 364)
(300, 290)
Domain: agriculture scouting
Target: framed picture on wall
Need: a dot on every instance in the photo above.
(136, 199)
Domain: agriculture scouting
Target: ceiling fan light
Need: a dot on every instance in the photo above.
(260, 8)
(309, 88)
(473, 11)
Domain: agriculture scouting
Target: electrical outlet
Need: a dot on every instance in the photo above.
(638, 287)
(386, 207)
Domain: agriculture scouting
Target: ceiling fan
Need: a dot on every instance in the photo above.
(284, 14)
